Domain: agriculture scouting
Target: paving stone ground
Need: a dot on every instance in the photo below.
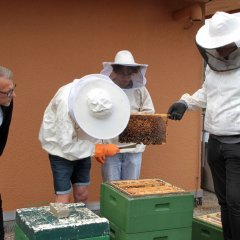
(209, 204)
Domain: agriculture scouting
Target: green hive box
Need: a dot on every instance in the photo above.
(207, 227)
(145, 213)
(19, 234)
(41, 224)
(171, 234)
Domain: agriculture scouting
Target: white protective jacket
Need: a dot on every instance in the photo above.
(220, 95)
(59, 134)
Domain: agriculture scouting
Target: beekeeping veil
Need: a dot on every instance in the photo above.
(219, 40)
(125, 58)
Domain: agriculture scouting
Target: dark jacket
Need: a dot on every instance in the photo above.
(4, 128)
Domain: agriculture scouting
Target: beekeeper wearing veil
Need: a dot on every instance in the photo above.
(81, 114)
(219, 44)
(130, 76)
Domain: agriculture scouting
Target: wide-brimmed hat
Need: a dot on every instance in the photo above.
(125, 58)
(220, 30)
(99, 107)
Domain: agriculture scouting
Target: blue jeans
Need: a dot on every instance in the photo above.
(67, 172)
(224, 162)
(122, 166)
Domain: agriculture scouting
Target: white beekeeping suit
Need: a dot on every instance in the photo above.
(138, 95)
(218, 42)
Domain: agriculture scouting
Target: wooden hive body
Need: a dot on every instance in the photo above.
(207, 227)
(169, 234)
(131, 211)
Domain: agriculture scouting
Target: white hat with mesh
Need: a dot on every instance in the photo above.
(125, 58)
(222, 29)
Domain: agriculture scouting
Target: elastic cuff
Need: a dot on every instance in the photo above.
(63, 192)
(184, 102)
(81, 184)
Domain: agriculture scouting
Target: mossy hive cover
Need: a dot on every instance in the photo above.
(40, 224)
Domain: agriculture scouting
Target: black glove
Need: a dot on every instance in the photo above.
(177, 110)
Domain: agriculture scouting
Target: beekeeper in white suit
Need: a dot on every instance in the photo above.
(130, 76)
(219, 41)
(79, 115)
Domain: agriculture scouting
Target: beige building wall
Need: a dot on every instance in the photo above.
(49, 43)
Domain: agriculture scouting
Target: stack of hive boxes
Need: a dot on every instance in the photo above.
(41, 224)
(146, 209)
(207, 227)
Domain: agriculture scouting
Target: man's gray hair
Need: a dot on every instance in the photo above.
(5, 72)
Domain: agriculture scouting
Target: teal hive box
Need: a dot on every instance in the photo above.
(146, 212)
(207, 227)
(41, 224)
(19, 235)
(171, 234)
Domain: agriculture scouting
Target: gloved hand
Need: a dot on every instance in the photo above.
(177, 110)
(103, 150)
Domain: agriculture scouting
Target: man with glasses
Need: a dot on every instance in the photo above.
(130, 76)
(7, 93)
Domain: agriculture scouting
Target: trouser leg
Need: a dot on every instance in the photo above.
(217, 166)
(111, 169)
(131, 166)
(224, 161)
(232, 156)
(1, 221)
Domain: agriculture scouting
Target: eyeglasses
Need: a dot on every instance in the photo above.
(9, 92)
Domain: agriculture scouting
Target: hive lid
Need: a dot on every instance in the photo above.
(213, 218)
(146, 187)
(39, 223)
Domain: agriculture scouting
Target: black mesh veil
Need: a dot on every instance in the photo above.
(225, 58)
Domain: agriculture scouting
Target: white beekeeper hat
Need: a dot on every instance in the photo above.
(125, 58)
(220, 30)
(99, 107)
